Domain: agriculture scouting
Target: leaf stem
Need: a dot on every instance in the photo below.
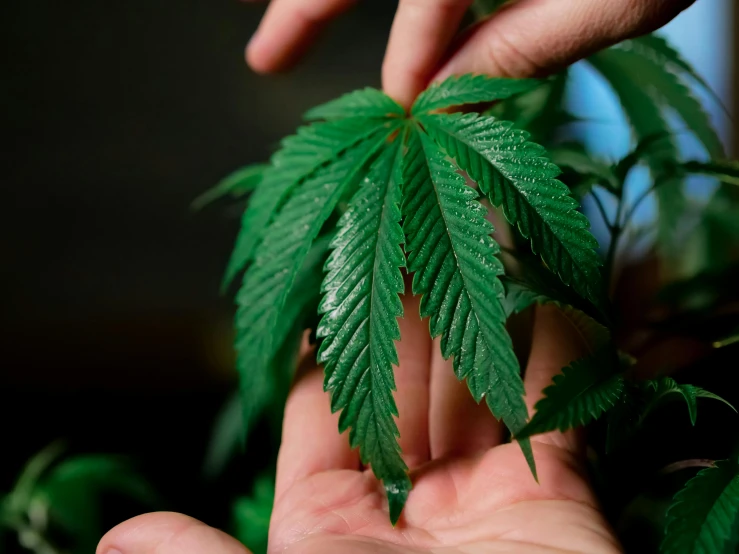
(616, 228)
(602, 210)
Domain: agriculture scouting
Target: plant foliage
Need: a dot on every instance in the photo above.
(374, 191)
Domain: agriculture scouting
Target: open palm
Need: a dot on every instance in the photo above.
(471, 494)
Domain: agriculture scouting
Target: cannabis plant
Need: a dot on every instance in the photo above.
(367, 192)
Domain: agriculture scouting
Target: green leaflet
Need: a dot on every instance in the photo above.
(657, 49)
(452, 255)
(725, 171)
(251, 514)
(300, 156)
(586, 389)
(516, 175)
(669, 90)
(364, 103)
(361, 304)
(236, 185)
(703, 516)
(267, 387)
(665, 385)
(279, 256)
(469, 89)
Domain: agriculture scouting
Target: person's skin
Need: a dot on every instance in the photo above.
(471, 494)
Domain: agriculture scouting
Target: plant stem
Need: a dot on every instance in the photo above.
(616, 230)
(602, 210)
(643, 196)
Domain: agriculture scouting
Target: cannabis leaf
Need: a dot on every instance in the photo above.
(664, 386)
(515, 174)
(469, 89)
(365, 103)
(361, 305)
(452, 255)
(300, 156)
(278, 258)
(236, 185)
(703, 516)
(584, 390)
(667, 88)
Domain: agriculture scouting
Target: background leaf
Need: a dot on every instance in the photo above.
(278, 258)
(702, 517)
(584, 390)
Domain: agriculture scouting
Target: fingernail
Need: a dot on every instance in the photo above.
(113, 551)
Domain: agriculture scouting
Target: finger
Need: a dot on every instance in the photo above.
(311, 442)
(459, 426)
(421, 33)
(412, 379)
(530, 37)
(555, 344)
(286, 31)
(167, 533)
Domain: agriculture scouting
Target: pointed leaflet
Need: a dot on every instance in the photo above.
(515, 175)
(361, 304)
(669, 90)
(704, 515)
(279, 256)
(584, 390)
(469, 89)
(452, 255)
(661, 52)
(367, 103)
(300, 156)
(665, 385)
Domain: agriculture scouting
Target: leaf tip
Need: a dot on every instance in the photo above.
(397, 494)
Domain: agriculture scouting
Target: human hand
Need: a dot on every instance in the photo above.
(471, 494)
(523, 39)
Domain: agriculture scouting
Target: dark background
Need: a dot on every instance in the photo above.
(116, 115)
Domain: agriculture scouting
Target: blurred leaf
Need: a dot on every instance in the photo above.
(19, 499)
(703, 516)
(725, 171)
(576, 159)
(226, 437)
(251, 514)
(237, 184)
(540, 111)
(74, 489)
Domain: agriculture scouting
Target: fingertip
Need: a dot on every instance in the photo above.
(256, 58)
(167, 533)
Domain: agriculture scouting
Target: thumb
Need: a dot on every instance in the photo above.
(531, 37)
(167, 533)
